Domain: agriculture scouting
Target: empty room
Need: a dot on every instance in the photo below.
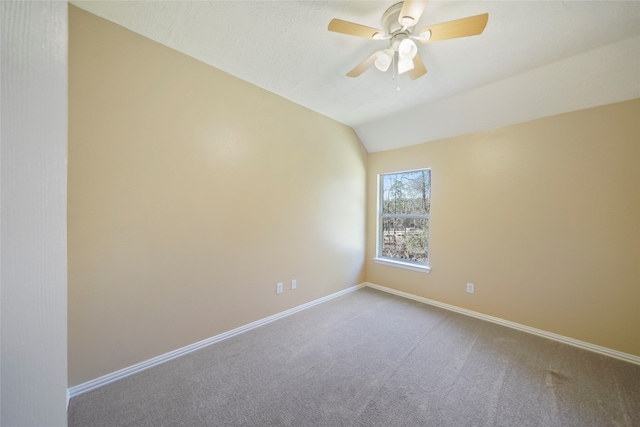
(326, 213)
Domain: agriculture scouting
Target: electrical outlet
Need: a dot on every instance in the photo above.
(294, 284)
(279, 288)
(471, 288)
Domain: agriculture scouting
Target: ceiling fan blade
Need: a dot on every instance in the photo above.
(471, 26)
(419, 69)
(411, 12)
(345, 27)
(363, 66)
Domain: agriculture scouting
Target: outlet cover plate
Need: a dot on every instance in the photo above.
(471, 288)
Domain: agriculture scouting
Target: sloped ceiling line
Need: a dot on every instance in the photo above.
(528, 63)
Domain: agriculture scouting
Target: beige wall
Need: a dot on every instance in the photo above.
(544, 218)
(191, 194)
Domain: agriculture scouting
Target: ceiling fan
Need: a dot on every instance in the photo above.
(398, 22)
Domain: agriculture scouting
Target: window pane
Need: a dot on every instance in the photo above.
(407, 193)
(405, 238)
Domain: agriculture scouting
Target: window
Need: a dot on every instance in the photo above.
(404, 204)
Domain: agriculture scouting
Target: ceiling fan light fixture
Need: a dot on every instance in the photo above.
(407, 49)
(405, 65)
(383, 59)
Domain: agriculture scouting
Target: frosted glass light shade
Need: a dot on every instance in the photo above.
(405, 65)
(383, 60)
(407, 49)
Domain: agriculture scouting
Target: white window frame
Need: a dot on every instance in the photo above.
(423, 267)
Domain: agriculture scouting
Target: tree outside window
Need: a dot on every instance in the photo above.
(403, 223)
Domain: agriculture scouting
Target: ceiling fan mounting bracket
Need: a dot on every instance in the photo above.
(390, 22)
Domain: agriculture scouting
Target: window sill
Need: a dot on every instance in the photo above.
(400, 264)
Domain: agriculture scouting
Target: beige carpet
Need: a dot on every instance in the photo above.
(373, 359)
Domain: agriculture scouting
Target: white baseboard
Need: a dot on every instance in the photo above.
(122, 373)
(576, 343)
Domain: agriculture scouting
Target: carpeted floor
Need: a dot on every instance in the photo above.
(373, 359)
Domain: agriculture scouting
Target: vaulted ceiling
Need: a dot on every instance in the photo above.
(534, 59)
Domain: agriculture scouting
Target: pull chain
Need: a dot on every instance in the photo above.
(395, 68)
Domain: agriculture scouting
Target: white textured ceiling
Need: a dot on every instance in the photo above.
(534, 59)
